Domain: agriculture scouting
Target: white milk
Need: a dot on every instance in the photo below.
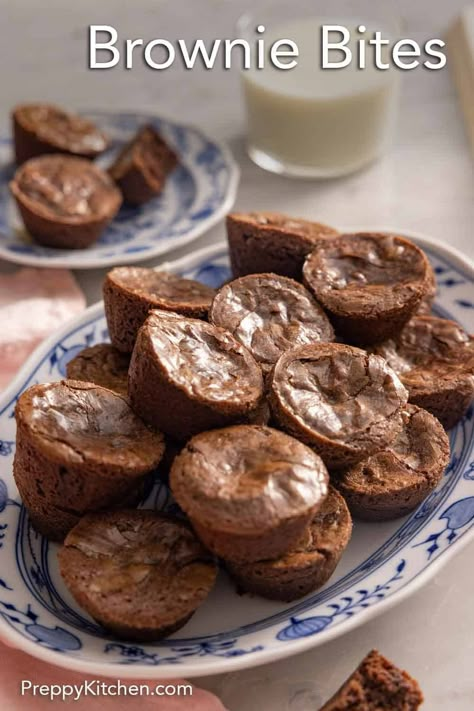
(316, 122)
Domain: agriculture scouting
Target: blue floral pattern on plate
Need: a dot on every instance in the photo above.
(197, 194)
(228, 632)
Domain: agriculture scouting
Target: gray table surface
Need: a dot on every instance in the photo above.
(424, 183)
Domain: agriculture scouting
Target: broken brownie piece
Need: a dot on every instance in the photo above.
(376, 685)
(141, 168)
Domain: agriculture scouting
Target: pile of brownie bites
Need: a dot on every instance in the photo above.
(313, 384)
(65, 199)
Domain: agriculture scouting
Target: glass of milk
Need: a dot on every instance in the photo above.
(313, 122)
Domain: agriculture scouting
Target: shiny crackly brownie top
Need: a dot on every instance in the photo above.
(200, 358)
(61, 129)
(270, 314)
(248, 477)
(66, 188)
(80, 422)
(428, 350)
(338, 391)
(161, 288)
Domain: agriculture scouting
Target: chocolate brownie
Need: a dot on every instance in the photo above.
(103, 365)
(142, 166)
(434, 358)
(131, 292)
(338, 399)
(272, 242)
(249, 491)
(80, 448)
(43, 128)
(393, 482)
(377, 685)
(370, 284)
(309, 564)
(187, 376)
(269, 314)
(426, 304)
(138, 573)
(65, 202)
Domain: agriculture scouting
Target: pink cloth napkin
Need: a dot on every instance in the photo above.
(34, 303)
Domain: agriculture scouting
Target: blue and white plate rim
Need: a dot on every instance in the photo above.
(219, 664)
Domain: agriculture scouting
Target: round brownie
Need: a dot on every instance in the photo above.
(142, 166)
(309, 564)
(434, 358)
(370, 284)
(270, 242)
(393, 482)
(188, 375)
(338, 399)
(138, 573)
(80, 448)
(65, 202)
(130, 293)
(103, 365)
(43, 128)
(269, 314)
(249, 491)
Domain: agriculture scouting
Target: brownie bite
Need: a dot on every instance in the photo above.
(376, 685)
(102, 365)
(338, 399)
(272, 242)
(309, 564)
(425, 306)
(44, 128)
(130, 293)
(65, 202)
(249, 491)
(140, 574)
(393, 482)
(80, 448)
(187, 376)
(142, 166)
(434, 358)
(370, 284)
(269, 314)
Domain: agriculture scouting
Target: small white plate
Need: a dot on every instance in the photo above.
(383, 564)
(197, 195)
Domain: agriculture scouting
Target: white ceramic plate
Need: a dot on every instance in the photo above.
(197, 195)
(384, 563)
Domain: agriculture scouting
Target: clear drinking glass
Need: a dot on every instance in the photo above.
(315, 123)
